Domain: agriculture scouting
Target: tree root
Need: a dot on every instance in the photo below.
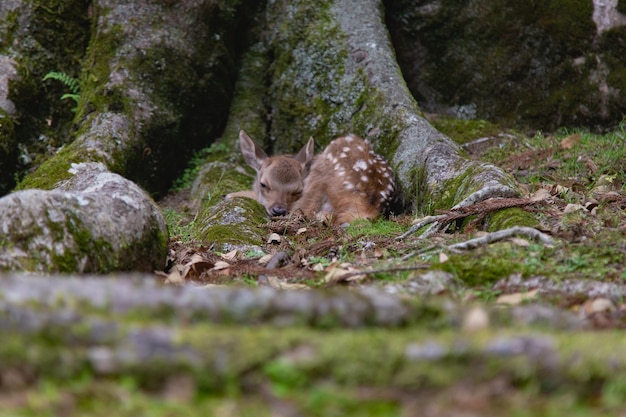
(488, 239)
(479, 203)
(501, 235)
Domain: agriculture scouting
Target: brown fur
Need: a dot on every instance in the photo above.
(280, 179)
(347, 181)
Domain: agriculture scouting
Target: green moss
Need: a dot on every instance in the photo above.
(483, 267)
(510, 217)
(464, 131)
(621, 6)
(44, 120)
(508, 62)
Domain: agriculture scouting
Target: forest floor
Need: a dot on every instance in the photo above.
(329, 321)
(575, 189)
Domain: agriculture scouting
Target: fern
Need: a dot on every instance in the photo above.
(72, 83)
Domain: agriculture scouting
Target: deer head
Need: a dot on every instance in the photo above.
(280, 179)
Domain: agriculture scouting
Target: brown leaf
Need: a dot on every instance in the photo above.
(570, 141)
(517, 298)
(176, 276)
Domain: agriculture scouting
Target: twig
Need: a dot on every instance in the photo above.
(343, 277)
(462, 210)
(501, 235)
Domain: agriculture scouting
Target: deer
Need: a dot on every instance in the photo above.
(279, 179)
(346, 182)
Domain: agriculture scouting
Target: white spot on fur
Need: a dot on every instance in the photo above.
(364, 178)
(349, 138)
(390, 187)
(342, 155)
(346, 149)
(360, 165)
(348, 185)
(360, 148)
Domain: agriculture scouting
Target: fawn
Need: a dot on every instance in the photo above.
(347, 181)
(279, 179)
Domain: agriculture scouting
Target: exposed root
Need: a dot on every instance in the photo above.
(462, 210)
(489, 238)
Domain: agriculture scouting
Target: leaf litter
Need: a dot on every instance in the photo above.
(575, 210)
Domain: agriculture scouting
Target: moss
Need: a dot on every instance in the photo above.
(508, 62)
(464, 131)
(510, 217)
(477, 270)
(54, 170)
(7, 152)
(44, 120)
(216, 227)
(621, 6)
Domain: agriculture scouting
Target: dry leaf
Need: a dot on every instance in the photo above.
(341, 273)
(274, 238)
(541, 194)
(570, 141)
(591, 166)
(476, 319)
(263, 260)
(301, 230)
(276, 283)
(571, 208)
(516, 298)
(176, 275)
(520, 242)
(233, 255)
(599, 305)
(443, 257)
(220, 265)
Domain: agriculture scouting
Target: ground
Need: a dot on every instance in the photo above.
(574, 189)
(517, 327)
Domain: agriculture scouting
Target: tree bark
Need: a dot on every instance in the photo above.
(156, 83)
(333, 71)
(157, 80)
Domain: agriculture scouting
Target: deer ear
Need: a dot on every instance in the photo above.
(253, 154)
(306, 154)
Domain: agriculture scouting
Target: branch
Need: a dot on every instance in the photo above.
(501, 235)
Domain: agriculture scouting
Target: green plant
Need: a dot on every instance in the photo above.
(72, 83)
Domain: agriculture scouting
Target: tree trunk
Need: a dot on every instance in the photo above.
(156, 84)
(333, 71)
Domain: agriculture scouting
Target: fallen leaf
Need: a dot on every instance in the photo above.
(476, 319)
(516, 298)
(541, 194)
(176, 275)
(274, 238)
(336, 273)
(301, 230)
(443, 257)
(276, 283)
(591, 166)
(520, 242)
(263, 260)
(220, 265)
(570, 141)
(232, 255)
(599, 305)
(571, 208)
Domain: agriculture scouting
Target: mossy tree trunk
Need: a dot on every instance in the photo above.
(156, 83)
(156, 80)
(332, 71)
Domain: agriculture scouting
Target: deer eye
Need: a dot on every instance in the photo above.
(263, 185)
